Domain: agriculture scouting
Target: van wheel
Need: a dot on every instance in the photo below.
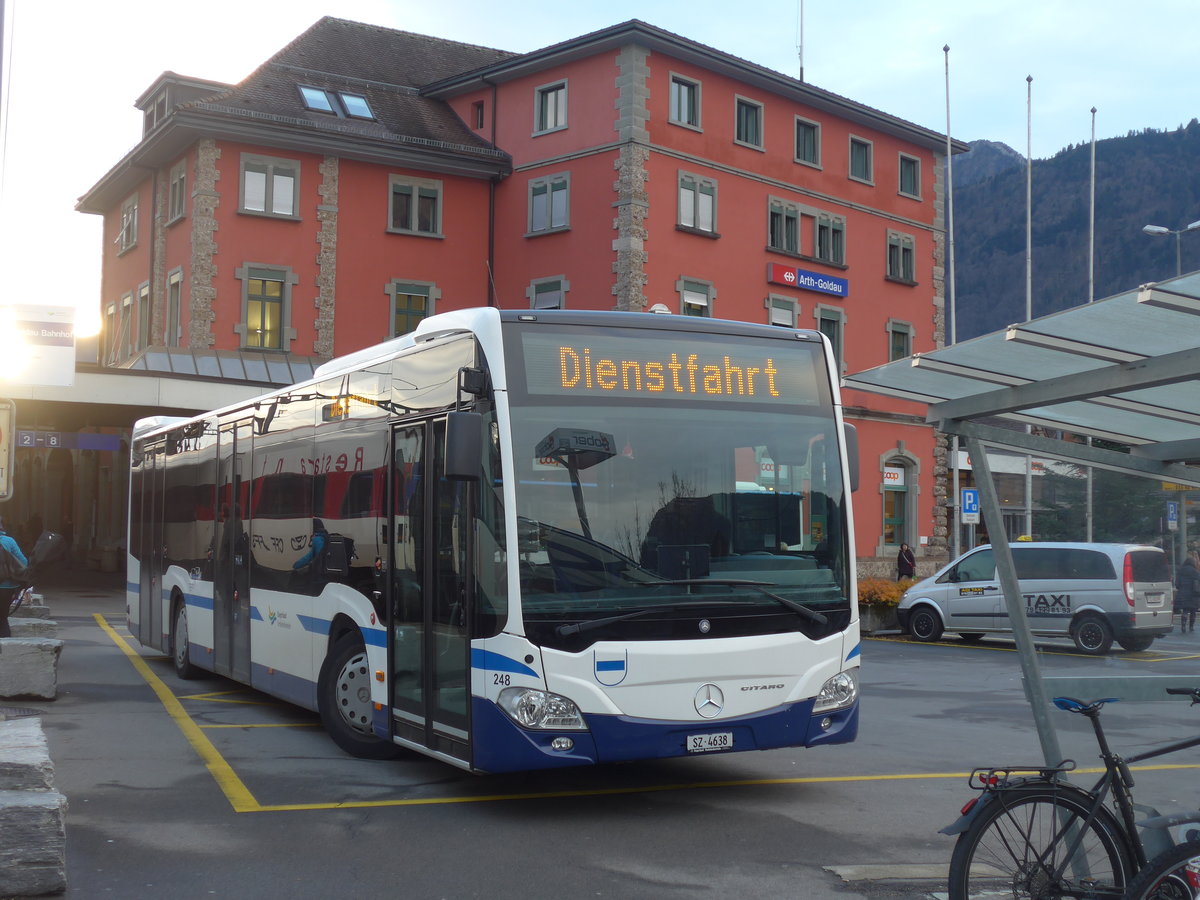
(1091, 634)
(344, 700)
(970, 637)
(1136, 644)
(924, 624)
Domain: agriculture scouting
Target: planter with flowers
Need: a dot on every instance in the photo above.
(877, 600)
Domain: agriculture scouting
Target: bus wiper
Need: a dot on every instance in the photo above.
(761, 587)
(590, 624)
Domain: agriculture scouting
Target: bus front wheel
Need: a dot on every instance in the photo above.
(179, 643)
(344, 700)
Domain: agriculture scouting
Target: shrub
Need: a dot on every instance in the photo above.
(881, 591)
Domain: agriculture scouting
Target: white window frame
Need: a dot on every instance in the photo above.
(143, 316)
(901, 262)
(895, 327)
(692, 188)
(549, 117)
(696, 293)
(782, 312)
(409, 287)
(786, 211)
(108, 336)
(542, 287)
(177, 193)
(174, 321)
(915, 161)
(796, 157)
(416, 188)
(549, 185)
(825, 313)
(738, 102)
(127, 237)
(673, 113)
(275, 168)
(870, 148)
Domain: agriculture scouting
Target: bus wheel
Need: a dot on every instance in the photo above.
(179, 644)
(344, 700)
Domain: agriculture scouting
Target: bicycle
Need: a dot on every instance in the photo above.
(20, 595)
(1174, 875)
(1032, 834)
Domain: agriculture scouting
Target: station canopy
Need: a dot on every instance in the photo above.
(1125, 369)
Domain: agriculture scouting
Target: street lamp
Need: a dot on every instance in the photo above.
(1162, 229)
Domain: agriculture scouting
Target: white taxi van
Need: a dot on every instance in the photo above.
(1091, 593)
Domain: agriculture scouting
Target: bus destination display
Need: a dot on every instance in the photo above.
(648, 365)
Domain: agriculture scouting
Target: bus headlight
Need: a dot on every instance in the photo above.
(532, 708)
(839, 691)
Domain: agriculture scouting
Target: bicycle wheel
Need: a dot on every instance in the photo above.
(1020, 846)
(18, 597)
(1172, 875)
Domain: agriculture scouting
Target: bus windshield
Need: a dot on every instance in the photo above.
(640, 512)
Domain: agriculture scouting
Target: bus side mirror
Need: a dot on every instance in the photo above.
(852, 454)
(464, 445)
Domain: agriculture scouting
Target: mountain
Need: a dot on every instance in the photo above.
(1144, 178)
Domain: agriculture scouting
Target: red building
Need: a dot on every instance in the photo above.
(363, 178)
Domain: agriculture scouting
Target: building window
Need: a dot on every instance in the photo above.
(270, 187)
(316, 98)
(685, 101)
(177, 199)
(127, 238)
(550, 108)
(782, 311)
(899, 340)
(895, 503)
(697, 203)
(831, 323)
(748, 126)
(861, 162)
(808, 142)
(695, 297)
(783, 226)
(108, 337)
(416, 206)
(831, 239)
(356, 105)
(477, 114)
(266, 306)
(549, 203)
(143, 317)
(174, 332)
(411, 302)
(901, 254)
(910, 176)
(548, 293)
(125, 340)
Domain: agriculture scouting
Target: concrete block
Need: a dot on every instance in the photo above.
(22, 627)
(29, 667)
(24, 757)
(33, 852)
(34, 610)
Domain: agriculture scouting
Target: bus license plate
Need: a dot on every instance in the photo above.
(705, 743)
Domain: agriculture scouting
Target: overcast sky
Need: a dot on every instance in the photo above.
(73, 70)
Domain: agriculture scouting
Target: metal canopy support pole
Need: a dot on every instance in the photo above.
(989, 504)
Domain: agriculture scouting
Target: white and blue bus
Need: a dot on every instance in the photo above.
(515, 540)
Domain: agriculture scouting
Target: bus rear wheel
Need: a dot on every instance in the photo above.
(344, 700)
(179, 643)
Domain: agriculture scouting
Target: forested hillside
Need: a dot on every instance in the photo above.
(1152, 177)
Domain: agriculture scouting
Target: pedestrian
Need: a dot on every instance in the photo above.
(9, 586)
(906, 563)
(1187, 591)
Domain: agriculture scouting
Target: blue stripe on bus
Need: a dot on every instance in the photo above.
(498, 662)
(610, 665)
(255, 615)
(313, 624)
(857, 651)
(199, 602)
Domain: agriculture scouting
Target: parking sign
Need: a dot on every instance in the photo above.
(970, 506)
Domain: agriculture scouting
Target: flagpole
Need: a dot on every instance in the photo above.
(1028, 274)
(956, 508)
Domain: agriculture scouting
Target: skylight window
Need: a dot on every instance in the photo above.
(339, 103)
(356, 105)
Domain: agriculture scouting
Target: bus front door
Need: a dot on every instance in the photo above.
(231, 580)
(153, 539)
(428, 593)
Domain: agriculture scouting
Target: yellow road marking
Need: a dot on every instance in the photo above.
(235, 791)
(1139, 655)
(220, 697)
(243, 801)
(267, 725)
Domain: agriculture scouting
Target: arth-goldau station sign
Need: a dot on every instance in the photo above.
(789, 276)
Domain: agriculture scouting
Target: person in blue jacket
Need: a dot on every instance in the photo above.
(316, 547)
(8, 588)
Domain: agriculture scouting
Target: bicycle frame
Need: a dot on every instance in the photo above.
(1117, 780)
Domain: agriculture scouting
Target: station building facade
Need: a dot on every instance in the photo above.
(363, 178)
